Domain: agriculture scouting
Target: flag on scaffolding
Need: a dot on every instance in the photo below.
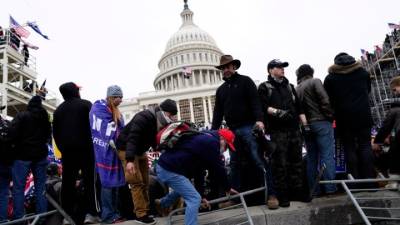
(187, 71)
(364, 54)
(29, 45)
(393, 26)
(18, 28)
(35, 27)
(378, 51)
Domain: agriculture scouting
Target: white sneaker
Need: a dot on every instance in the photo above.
(90, 219)
(393, 184)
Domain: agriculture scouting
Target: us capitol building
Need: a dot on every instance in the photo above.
(190, 50)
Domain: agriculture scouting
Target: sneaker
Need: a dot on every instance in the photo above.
(160, 210)
(90, 219)
(145, 220)
(272, 202)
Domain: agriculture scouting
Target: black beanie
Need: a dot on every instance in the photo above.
(169, 105)
(344, 59)
(304, 70)
(35, 102)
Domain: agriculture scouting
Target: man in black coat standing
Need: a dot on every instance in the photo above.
(237, 101)
(71, 131)
(348, 85)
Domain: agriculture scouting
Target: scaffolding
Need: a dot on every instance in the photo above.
(383, 65)
(18, 77)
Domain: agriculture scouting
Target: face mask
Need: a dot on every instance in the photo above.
(166, 117)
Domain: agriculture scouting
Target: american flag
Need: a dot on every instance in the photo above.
(187, 71)
(364, 54)
(18, 28)
(393, 26)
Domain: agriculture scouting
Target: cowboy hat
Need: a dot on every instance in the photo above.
(227, 59)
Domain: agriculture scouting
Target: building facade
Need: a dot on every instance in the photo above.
(187, 75)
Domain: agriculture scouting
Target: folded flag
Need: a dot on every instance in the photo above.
(393, 26)
(35, 27)
(18, 28)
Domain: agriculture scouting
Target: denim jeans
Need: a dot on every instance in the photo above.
(246, 141)
(5, 179)
(20, 172)
(320, 150)
(181, 186)
(109, 204)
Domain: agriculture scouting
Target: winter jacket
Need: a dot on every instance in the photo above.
(31, 133)
(71, 129)
(194, 154)
(314, 100)
(281, 96)
(142, 133)
(237, 101)
(6, 145)
(348, 87)
(390, 124)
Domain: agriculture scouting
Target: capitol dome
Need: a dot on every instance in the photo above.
(189, 59)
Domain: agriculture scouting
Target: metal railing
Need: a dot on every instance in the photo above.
(356, 200)
(9, 39)
(242, 204)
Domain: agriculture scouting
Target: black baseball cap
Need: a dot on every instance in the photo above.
(277, 63)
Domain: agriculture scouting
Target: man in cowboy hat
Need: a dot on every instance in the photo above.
(237, 101)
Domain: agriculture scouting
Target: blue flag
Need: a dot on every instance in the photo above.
(35, 27)
(104, 132)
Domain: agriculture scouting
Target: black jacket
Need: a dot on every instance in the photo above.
(142, 133)
(391, 123)
(348, 88)
(280, 96)
(237, 101)
(314, 100)
(31, 133)
(71, 127)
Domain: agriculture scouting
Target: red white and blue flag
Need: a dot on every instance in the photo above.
(187, 71)
(18, 28)
(393, 26)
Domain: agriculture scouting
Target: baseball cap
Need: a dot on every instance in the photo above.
(277, 63)
(229, 137)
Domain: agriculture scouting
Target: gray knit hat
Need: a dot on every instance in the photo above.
(114, 91)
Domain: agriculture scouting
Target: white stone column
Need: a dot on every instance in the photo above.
(194, 78)
(178, 114)
(191, 110)
(210, 109)
(208, 79)
(205, 110)
(179, 77)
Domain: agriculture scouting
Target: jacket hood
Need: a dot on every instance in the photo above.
(69, 90)
(344, 69)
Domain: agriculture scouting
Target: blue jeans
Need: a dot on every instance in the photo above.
(109, 204)
(181, 186)
(20, 172)
(320, 150)
(244, 136)
(5, 179)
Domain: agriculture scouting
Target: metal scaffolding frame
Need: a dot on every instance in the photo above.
(383, 66)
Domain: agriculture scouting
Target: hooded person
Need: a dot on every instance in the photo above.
(31, 132)
(348, 85)
(140, 136)
(71, 132)
(106, 123)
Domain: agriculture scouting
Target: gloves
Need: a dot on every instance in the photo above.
(306, 130)
(283, 114)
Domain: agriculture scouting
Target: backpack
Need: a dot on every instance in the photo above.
(270, 87)
(170, 135)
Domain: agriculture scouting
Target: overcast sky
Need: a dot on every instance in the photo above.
(97, 43)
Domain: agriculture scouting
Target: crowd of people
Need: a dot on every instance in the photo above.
(263, 128)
